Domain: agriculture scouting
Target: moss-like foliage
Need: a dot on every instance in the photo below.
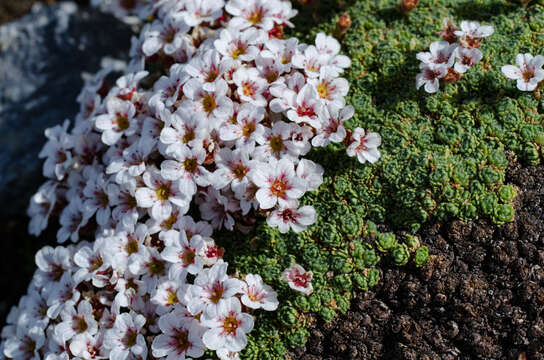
(443, 155)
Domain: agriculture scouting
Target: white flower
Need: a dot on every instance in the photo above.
(168, 89)
(192, 227)
(256, 13)
(305, 106)
(72, 219)
(239, 45)
(26, 344)
(330, 88)
(298, 279)
(311, 60)
(208, 68)
(528, 73)
(167, 295)
(430, 76)
(165, 34)
(199, 11)
(250, 86)
(86, 346)
(247, 127)
(57, 151)
(125, 212)
(98, 194)
(76, 322)
(474, 30)
(281, 51)
(289, 216)
(256, 294)
(210, 252)
(119, 120)
(128, 84)
(125, 245)
(332, 127)
(187, 169)
(41, 205)
(178, 339)
(270, 69)
(441, 52)
(125, 337)
(60, 295)
(181, 252)
(225, 354)
(150, 265)
(232, 168)
(160, 195)
(212, 287)
(185, 128)
(34, 314)
(466, 58)
(93, 263)
(276, 142)
(228, 327)
(213, 104)
(364, 146)
(311, 173)
(277, 183)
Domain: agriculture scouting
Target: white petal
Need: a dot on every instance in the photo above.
(511, 72)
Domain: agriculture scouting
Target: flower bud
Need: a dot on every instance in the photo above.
(408, 5)
(343, 24)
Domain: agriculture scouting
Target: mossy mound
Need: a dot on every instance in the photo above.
(443, 155)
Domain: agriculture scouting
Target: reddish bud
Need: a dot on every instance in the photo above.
(408, 5)
(343, 24)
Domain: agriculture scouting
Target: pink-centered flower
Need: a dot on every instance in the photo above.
(212, 288)
(257, 295)
(466, 58)
(289, 217)
(277, 182)
(364, 146)
(298, 279)
(227, 327)
(440, 52)
(160, 195)
(430, 76)
(178, 339)
(528, 73)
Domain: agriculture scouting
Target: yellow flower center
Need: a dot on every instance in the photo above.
(230, 324)
(208, 103)
(322, 90)
(163, 192)
(122, 122)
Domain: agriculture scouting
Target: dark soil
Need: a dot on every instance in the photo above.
(481, 296)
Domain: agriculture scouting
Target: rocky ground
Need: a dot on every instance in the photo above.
(480, 297)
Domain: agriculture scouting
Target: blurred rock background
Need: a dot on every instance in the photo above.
(45, 46)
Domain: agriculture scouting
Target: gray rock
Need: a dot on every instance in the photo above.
(42, 56)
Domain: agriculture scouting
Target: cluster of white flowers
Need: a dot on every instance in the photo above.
(215, 114)
(528, 73)
(227, 125)
(451, 58)
(129, 294)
